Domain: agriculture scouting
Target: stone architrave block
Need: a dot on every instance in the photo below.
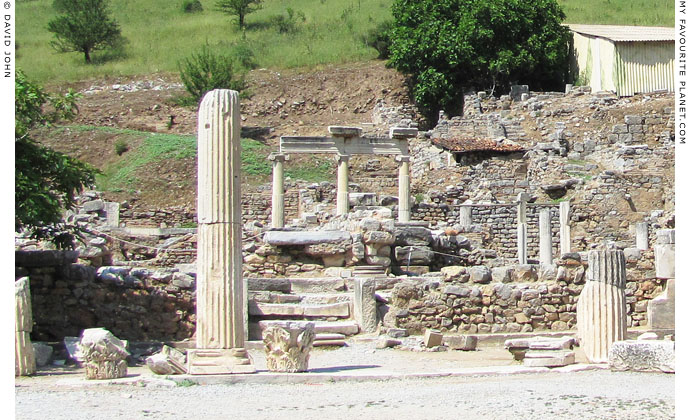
(287, 347)
(365, 304)
(104, 354)
(432, 338)
(665, 261)
(661, 311)
(461, 342)
(643, 356)
(549, 358)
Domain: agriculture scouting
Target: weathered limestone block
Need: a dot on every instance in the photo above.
(432, 338)
(43, 353)
(287, 347)
(412, 236)
(283, 238)
(414, 255)
(643, 356)
(461, 342)
(642, 235)
(480, 274)
(549, 358)
(665, 261)
(365, 304)
(601, 308)
(662, 309)
(168, 361)
(24, 358)
(104, 354)
(454, 273)
(378, 237)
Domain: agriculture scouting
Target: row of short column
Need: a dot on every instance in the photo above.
(545, 237)
(342, 196)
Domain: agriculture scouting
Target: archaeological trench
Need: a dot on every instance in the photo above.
(533, 214)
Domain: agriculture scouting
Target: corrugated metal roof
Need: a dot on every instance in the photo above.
(464, 145)
(626, 33)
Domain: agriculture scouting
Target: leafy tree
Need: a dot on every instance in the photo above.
(46, 181)
(239, 8)
(447, 45)
(84, 26)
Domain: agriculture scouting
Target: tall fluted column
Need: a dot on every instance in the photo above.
(545, 240)
(278, 198)
(403, 188)
(24, 358)
(601, 308)
(343, 197)
(522, 228)
(220, 294)
(564, 220)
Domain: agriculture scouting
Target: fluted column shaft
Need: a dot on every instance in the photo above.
(220, 289)
(403, 188)
(564, 220)
(601, 307)
(343, 197)
(278, 197)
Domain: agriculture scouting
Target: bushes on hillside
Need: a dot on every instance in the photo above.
(192, 6)
(379, 38)
(206, 71)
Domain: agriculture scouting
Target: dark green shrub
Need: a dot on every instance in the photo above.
(244, 55)
(379, 38)
(121, 146)
(192, 6)
(206, 71)
(287, 23)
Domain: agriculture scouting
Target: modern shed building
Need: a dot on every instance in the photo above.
(623, 59)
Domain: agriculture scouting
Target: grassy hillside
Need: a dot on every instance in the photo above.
(160, 33)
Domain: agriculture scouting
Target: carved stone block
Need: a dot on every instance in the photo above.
(104, 354)
(287, 347)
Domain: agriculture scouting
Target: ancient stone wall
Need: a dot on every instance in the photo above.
(133, 303)
(498, 223)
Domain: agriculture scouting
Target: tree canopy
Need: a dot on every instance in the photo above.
(84, 26)
(445, 46)
(46, 181)
(239, 8)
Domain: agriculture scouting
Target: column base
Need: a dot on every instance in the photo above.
(219, 361)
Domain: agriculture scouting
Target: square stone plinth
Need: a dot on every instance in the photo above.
(218, 361)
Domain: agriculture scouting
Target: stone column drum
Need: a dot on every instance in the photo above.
(278, 197)
(601, 308)
(403, 188)
(343, 197)
(287, 347)
(564, 220)
(24, 357)
(221, 300)
(641, 236)
(545, 240)
(522, 228)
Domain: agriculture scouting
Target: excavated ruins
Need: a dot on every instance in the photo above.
(520, 218)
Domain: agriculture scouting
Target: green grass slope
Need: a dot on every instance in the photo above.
(160, 34)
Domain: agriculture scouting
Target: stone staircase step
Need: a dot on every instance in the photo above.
(325, 343)
(341, 309)
(339, 327)
(297, 285)
(304, 299)
(328, 336)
